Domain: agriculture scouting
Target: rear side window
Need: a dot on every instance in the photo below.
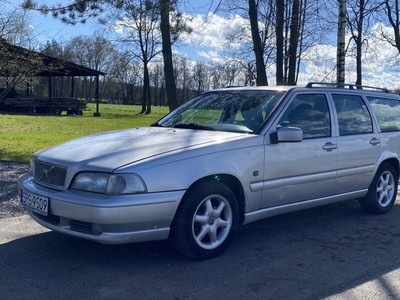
(387, 112)
(353, 115)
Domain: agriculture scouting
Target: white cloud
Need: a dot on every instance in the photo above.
(211, 33)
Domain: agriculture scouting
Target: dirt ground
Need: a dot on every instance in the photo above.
(9, 199)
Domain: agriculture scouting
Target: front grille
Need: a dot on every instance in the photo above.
(49, 174)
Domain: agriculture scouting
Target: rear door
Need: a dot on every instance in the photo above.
(359, 144)
(298, 171)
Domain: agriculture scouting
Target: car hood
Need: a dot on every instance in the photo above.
(110, 150)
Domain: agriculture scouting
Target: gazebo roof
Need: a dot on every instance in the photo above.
(53, 66)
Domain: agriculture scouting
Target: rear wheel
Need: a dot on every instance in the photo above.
(57, 111)
(206, 221)
(382, 192)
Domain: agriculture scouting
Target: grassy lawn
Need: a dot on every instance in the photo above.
(23, 134)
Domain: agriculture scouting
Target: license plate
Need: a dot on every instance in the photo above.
(35, 203)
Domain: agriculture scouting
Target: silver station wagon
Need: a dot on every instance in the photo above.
(225, 158)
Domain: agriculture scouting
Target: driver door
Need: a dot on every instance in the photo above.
(299, 171)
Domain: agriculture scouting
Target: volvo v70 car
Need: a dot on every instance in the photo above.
(225, 158)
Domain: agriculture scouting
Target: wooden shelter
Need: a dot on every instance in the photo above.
(51, 67)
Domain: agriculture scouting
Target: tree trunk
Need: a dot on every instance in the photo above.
(280, 9)
(257, 46)
(359, 42)
(147, 90)
(167, 55)
(341, 43)
(146, 85)
(293, 42)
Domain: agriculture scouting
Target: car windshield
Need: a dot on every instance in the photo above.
(235, 110)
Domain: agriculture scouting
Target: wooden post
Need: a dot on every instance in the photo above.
(97, 114)
(50, 93)
(72, 86)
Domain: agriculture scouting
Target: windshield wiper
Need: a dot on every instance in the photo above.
(156, 124)
(193, 126)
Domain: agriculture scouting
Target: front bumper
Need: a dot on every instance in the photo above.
(104, 218)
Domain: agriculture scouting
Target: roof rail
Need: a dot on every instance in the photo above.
(348, 85)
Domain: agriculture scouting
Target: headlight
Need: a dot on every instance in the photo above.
(31, 169)
(112, 184)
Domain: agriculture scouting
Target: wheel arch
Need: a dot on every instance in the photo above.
(382, 192)
(394, 162)
(234, 184)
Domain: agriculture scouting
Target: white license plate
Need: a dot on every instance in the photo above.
(35, 203)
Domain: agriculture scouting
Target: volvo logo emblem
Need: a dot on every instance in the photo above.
(46, 173)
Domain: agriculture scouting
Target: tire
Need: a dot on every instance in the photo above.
(382, 192)
(206, 221)
(57, 111)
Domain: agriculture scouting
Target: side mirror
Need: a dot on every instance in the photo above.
(287, 134)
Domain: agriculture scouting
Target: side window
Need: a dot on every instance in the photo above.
(387, 112)
(353, 115)
(309, 112)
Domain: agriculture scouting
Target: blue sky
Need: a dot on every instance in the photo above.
(208, 43)
(49, 28)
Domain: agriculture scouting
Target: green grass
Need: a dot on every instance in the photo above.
(23, 134)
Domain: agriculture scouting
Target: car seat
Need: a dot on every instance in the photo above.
(251, 112)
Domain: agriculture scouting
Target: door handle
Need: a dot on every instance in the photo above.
(374, 141)
(329, 146)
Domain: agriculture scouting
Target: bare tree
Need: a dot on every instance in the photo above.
(201, 77)
(231, 72)
(257, 39)
(157, 83)
(140, 22)
(392, 8)
(297, 28)
(341, 43)
(165, 26)
(359, 13)
(183, 79)
(94, 52)
(17, 65)
(280, 21)
(257, 44)
(216, 75)
(14, 27)
(130, 77)
(224, 74)
(293, 42)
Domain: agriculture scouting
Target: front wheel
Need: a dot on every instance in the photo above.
(206, 221)
(382, 192)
